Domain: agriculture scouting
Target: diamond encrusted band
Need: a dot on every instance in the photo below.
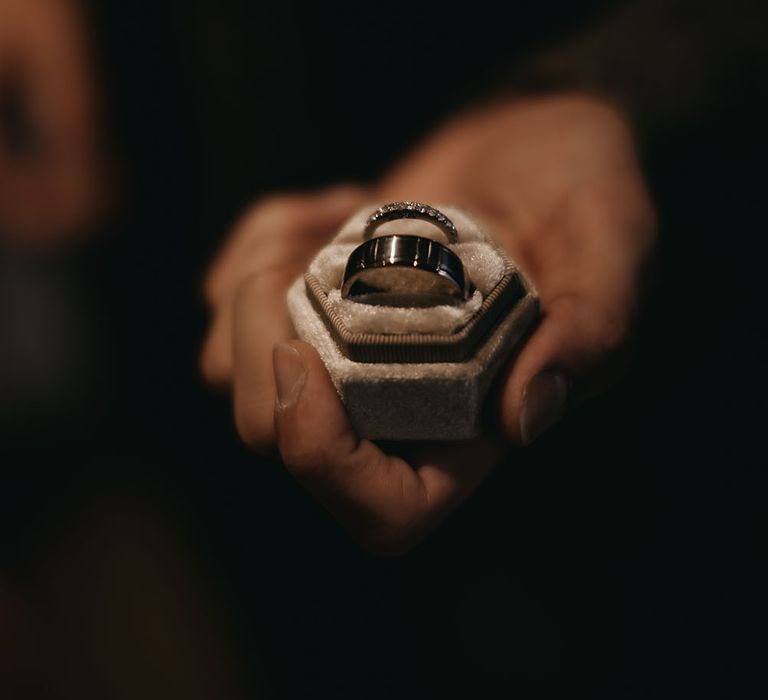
(411, 210)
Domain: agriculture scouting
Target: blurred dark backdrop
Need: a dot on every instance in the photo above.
(622, 556)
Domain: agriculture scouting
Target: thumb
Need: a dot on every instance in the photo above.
(379, 498)
(575, 353)
(312, 427)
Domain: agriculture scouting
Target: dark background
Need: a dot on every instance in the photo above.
(621, 556)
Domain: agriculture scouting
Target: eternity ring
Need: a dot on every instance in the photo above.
(402, 270)
(411, 210)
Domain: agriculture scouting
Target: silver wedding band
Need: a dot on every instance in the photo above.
(405, 271)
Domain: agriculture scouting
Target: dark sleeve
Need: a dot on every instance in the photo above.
(662, 61)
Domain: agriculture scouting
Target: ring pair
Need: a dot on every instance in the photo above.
(405, 270)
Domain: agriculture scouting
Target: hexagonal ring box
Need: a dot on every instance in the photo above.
(415, 373)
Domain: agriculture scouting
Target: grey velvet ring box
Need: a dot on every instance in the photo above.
(420, 373)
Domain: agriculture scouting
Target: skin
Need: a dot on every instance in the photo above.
(50, 169)
(557, 180)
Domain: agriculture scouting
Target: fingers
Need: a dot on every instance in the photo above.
(275, 229)
(255, 313)
(589, 293)
(589, 262)
(260, 319)
(275, 240)
(385, 503)
(576, 352)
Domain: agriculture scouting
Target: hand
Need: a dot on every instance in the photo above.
(558, 182)
(49, 183)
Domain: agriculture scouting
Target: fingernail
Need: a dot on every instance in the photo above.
(290, 375)
(544, 403)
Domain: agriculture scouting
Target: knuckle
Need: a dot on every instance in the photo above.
(255, 426)
(216, 360)
(303, 465)
(215, 368)
(317, 466)
(613, 336)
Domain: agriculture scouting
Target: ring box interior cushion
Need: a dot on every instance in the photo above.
(415, 372)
